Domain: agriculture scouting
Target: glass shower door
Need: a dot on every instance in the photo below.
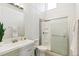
(59, 36)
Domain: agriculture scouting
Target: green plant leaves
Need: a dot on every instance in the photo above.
(2, 30)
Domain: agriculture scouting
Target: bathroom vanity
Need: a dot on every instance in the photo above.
(22, 47)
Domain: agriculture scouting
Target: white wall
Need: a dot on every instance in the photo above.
(31, 19)
(12, 20)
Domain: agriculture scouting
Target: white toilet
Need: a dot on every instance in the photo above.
(44, 51)
(41, 50)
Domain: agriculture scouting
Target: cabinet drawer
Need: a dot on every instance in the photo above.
(28, 47)
(30, 53)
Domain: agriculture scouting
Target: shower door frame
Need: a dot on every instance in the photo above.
(40, 31)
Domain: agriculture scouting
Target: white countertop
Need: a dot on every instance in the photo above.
(5, 48)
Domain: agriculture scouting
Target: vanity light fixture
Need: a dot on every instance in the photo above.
(18, 5)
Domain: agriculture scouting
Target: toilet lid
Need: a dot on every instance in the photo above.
(42, 48)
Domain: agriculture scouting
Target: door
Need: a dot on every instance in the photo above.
(59, 39)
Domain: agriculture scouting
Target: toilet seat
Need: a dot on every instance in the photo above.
(41, 50)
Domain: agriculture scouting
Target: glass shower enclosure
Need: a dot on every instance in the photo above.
(54, 33)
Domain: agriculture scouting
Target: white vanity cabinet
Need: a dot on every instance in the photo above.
(21, 48)
(27, 50)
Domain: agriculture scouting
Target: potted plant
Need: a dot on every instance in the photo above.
(2, 30)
